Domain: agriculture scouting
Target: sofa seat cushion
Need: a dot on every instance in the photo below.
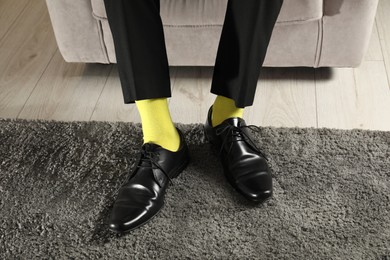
(212, 12)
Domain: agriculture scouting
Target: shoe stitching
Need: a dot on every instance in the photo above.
(238, 131)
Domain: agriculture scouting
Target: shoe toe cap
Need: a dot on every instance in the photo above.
(127, 218)
(116, 227)
(260, 196)
(256, 186)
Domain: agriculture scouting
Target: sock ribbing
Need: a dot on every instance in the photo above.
(224, 108)
(157, 125)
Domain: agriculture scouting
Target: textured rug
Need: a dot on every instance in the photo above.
(58, 181)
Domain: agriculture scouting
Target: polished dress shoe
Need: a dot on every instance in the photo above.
(244, 165)
(141, 196)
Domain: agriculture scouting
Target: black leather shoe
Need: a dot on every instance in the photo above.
(244, 165)
(141, 196)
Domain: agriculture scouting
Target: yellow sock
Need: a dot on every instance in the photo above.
(157, 125)
(224, 108)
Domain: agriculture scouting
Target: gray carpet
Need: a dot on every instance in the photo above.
(57, 182)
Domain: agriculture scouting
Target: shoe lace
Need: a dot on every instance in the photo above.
(151, 157)
(233, 130)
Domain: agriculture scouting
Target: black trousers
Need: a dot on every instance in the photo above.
(142, 61)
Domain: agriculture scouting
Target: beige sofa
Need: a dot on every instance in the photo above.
(311, 33)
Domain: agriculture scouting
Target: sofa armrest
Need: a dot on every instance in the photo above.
(356, 18)
(78, 34)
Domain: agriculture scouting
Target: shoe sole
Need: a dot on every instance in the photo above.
(175, 174)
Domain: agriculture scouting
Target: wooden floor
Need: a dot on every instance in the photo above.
(36, 83)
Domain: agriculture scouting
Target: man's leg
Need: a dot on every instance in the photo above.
(245, 36)
(242, 48)
(139, 42)
(138, 36)
(143, 67)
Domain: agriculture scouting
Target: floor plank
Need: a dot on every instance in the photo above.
(284, 97)
(355, 98)
(191, 97)
(24, 55)
(9, 12)
(374, 96)
(374, 51)
(66, 91)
